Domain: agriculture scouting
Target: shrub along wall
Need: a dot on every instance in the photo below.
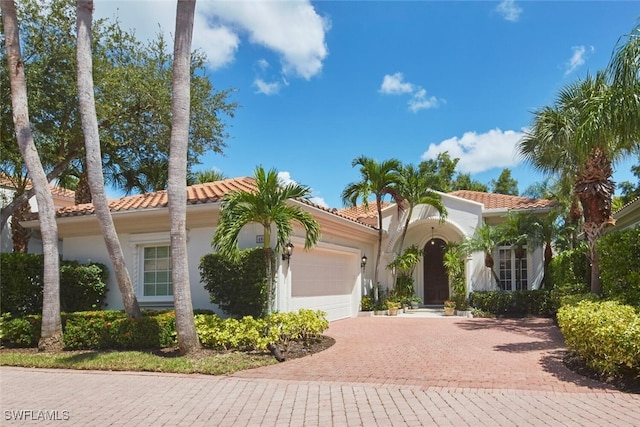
(513, 303)
(605, 335)
(240, 287)
(619, 257)
(82, 287)
(96, 330)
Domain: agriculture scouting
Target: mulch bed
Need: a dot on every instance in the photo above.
(626, 383)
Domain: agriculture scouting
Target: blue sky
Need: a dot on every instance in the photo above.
(321, 83)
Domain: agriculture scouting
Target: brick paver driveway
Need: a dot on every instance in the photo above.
(381, 371)
(522, 354)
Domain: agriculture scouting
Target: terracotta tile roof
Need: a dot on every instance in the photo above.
(362, 213)
(503, 201)
(55, 190)
(196, 194)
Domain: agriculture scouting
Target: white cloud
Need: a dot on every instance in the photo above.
(292, 29)
(284, 178)
(509, 10)
(419, 101)
(394, 85)
(580, 54)
(266, 88)
(479, 152)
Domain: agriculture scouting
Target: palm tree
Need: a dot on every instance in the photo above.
(51, 329)
(94, 158)
(379, 180)
(486, 238)
(204, 176)
(267, 206)
(582, 136)
(188, 341)
(414, 189)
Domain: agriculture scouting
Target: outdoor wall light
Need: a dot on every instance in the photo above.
(363, 261)
(287, 252)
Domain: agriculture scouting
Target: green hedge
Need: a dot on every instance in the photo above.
(92, 330)
(605, 335)
(238, 288)
(95, 330)
(82, 287)
(619, 257)
(513, 303)
(571, 271)
(250, 333)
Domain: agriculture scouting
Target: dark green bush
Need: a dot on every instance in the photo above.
(82, 287)
(238, 288)
(21, 331)
(21, 283)
(513, 303)
(619, 257)
(605, 335)
(571, 270)
(113, 330)
(94, 330)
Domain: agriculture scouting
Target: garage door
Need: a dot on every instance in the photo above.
(325, 280)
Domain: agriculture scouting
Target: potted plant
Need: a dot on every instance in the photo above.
(393, 307)
(449, 307)
(415, 302)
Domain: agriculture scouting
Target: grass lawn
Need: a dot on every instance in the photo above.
(166, 360)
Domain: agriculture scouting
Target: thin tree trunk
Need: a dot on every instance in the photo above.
(94, 158)
(19, 234)
(188, 341)
(51, 331)
(379, 252)
(8, 210)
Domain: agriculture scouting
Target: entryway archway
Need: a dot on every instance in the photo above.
(436, 282)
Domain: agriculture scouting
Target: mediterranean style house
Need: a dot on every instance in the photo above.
(331, 276)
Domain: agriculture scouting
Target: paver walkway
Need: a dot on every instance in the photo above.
(381, 371)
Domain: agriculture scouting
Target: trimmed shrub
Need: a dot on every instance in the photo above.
(21, 283)
(82, 287)
(20, 332)
(249, 333)
(605, 335)
(238, 288)
(114, 330)
(571, 272)
(513, 303)
(619, 257)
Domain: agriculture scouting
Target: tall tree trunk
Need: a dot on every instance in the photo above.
(94, 158)
(19, 234)
(379, 252)
(188, 341)
(51, 331)
(595, 190)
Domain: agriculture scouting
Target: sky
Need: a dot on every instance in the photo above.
(320, 83)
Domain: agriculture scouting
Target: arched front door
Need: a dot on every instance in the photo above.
(436, 282)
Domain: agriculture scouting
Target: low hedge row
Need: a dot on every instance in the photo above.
(513, 303)
(605, 335)
(96, 330)
(93, 330)
(250, 333)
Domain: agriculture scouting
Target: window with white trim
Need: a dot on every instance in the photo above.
(512, 271)
(156, 272)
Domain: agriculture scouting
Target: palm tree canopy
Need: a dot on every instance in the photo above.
(414, 188)
(378, 179)
(267, 206)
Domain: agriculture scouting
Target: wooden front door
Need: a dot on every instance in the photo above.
(436, 282)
